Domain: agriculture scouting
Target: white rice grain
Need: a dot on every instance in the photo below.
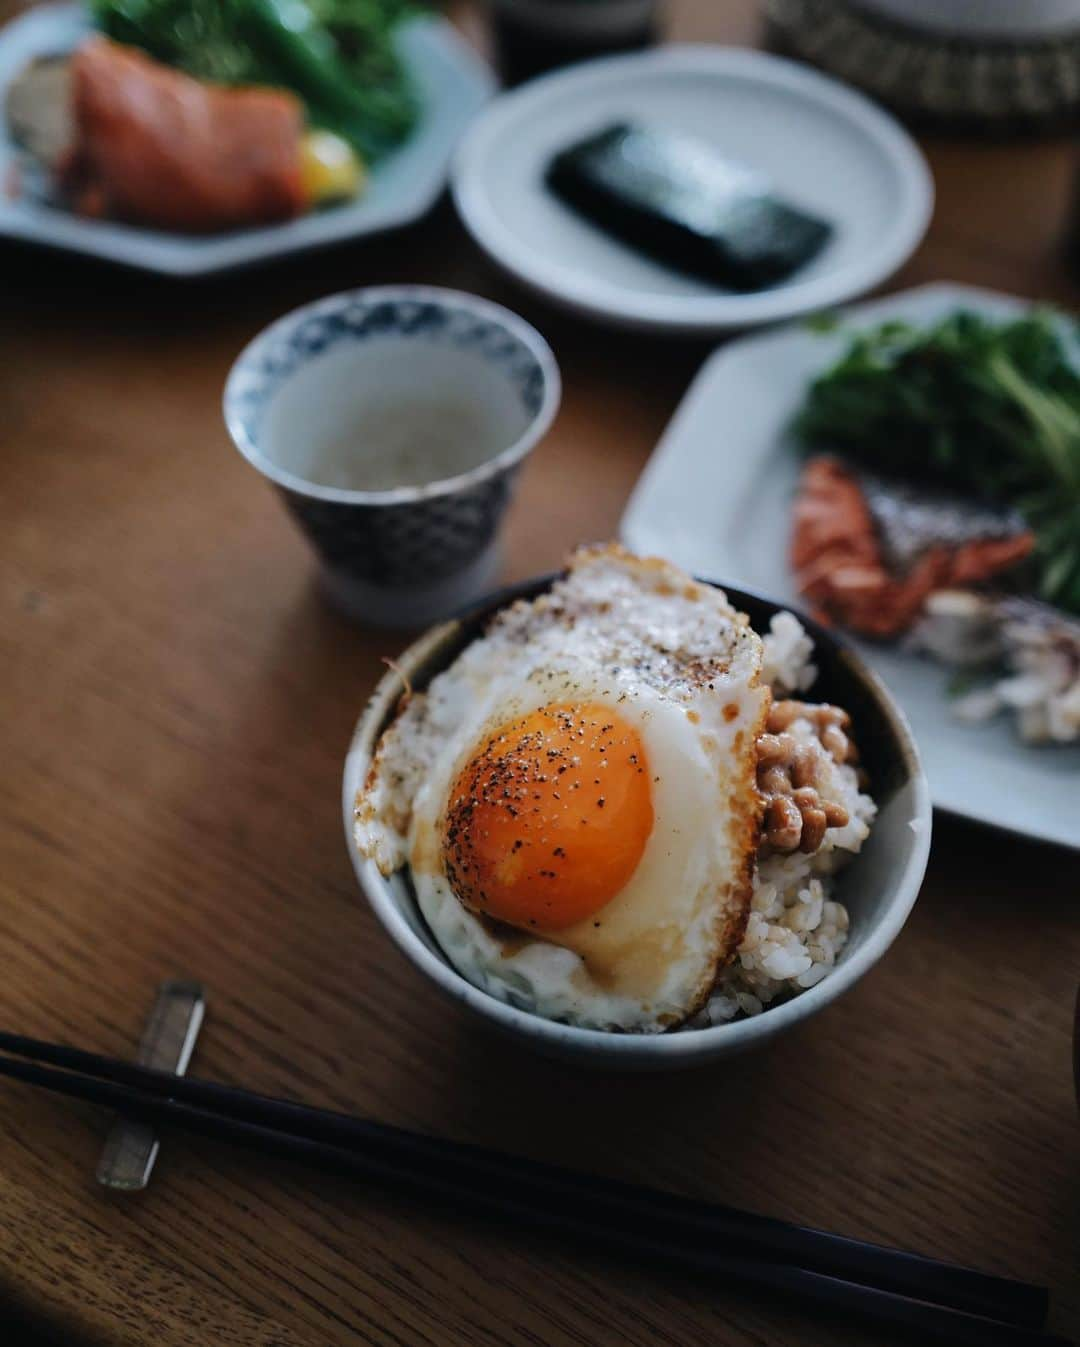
(796, 929)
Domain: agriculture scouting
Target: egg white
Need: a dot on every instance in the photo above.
(644, 959)
(674, 661)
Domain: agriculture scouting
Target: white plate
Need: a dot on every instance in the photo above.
(824, 147)
(716, 498)
(452, 82)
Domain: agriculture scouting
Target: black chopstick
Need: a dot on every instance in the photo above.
(910, 1274)
(726, 1229)
(617, 1216)
(787, 1279)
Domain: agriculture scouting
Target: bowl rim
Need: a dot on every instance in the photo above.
(697, 1045)
(538, 425)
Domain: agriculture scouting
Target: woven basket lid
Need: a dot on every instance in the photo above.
(1001, 83)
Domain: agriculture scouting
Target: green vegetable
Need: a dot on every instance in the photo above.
(825, 321)
(988, 408)
(962, 681)
(337, 55)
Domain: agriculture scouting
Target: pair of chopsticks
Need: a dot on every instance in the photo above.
(955, 1304)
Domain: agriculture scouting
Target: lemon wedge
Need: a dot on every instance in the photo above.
(329, 168)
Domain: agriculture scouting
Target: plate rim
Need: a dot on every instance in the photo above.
(694, 313)
(181, 256)
(637, 536)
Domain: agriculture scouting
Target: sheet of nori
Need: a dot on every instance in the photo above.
(675, 198)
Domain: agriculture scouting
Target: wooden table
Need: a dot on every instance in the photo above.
(177, 699)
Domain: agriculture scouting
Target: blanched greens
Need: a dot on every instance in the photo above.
(990, 408)
(337, 55)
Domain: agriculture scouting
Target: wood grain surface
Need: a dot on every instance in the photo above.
(176, 702)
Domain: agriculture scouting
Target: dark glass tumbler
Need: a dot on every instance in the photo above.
(534, 36)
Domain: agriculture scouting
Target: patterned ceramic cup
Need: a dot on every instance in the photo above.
(393, 421)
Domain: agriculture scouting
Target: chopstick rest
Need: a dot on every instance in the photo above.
(131, 1148)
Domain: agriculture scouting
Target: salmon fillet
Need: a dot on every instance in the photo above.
(157, 146)
(841, 567)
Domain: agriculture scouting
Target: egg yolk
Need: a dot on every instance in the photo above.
(549, 819)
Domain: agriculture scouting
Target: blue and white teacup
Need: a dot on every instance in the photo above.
(393, 421)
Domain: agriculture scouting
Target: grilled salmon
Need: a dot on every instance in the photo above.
(867, 553)
(157, 146)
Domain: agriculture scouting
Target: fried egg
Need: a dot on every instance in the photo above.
(575, 795)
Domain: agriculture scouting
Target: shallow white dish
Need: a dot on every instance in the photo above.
(879, 886)
(822, 145)
(716, 498)
(453, 85)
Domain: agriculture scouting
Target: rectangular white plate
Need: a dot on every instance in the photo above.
(452, 83)
(716, 498)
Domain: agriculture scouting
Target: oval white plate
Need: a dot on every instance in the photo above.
(823, 146)
(716, 498)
